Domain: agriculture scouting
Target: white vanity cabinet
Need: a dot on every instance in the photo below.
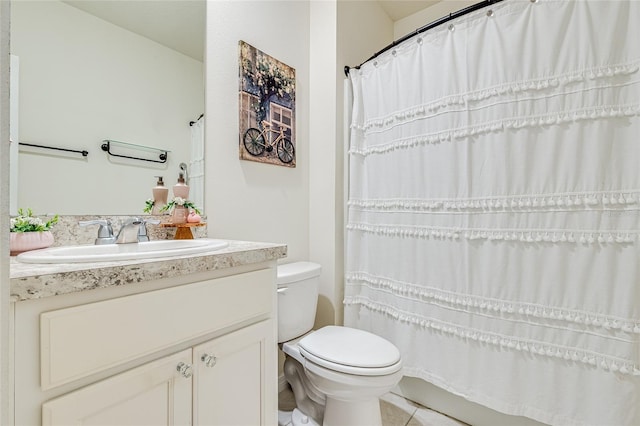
(230, 379)
(180, 351)
(222, 382)
(149, 395)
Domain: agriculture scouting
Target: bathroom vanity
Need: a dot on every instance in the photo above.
(181, 340)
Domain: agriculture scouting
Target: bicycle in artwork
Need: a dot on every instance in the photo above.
(258, 142)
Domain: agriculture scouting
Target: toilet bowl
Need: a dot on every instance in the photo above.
(336, 373)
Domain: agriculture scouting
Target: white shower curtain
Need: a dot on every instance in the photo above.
(196, 164)
(494, 208)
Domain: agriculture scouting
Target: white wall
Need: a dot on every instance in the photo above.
(83, 80)
(341, 33)
(361, 28)
(323, 235)
(244, 199)
(301, 207)
(419, 19)
(14, 90)
(6, 388)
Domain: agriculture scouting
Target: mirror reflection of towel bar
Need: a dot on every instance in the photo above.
(106, 146)
(83, 152)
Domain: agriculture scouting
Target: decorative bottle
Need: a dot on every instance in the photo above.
(160, 194)
(181, 189)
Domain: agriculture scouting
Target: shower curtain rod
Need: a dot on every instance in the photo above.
(424, 28)
(191, 123)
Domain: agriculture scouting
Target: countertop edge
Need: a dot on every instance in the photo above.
(37, 281)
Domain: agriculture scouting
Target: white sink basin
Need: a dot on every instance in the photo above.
(114, 252)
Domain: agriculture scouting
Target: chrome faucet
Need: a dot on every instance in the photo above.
(133, 230)
(129, 231)
(142, 230)
(105, 232)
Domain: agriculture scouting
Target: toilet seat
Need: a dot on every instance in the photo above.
(351, 351)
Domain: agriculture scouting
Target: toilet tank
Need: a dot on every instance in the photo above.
(297, 298)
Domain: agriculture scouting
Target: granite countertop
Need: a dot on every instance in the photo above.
(36, 281)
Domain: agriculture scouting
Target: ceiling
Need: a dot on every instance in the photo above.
(179, 24)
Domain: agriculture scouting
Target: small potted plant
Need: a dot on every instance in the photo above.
(28, 232)
(180, 209)
(148, 206)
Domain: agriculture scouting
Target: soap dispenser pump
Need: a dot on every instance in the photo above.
(160, 194)
(181, 189)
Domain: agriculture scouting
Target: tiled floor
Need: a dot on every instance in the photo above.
(396, 411)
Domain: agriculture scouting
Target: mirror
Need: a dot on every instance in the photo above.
(94, 70)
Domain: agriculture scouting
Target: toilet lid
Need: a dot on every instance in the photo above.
(351, 351)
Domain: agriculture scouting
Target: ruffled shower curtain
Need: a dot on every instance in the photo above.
(494, 208)
(196, 164)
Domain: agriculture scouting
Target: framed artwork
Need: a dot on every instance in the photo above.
(267, 108)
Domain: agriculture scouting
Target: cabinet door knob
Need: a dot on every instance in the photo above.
(209, 360)
(185, 370)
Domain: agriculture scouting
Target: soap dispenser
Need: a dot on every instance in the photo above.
(160, 194)
(181, 189)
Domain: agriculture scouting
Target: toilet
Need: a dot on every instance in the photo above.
(336, 373)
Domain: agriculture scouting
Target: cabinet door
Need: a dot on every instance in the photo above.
(235, 378)
(153, 394)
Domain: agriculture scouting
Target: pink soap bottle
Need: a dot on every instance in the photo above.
(181, 189)
(160, 194)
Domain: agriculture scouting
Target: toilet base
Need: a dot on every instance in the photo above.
(295, 418)
(284, 418)
(365, 412)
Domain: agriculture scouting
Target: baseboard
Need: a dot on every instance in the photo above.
(282, 383)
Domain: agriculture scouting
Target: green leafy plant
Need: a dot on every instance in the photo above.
(148, 207)
(26, 222)
(180, 202)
